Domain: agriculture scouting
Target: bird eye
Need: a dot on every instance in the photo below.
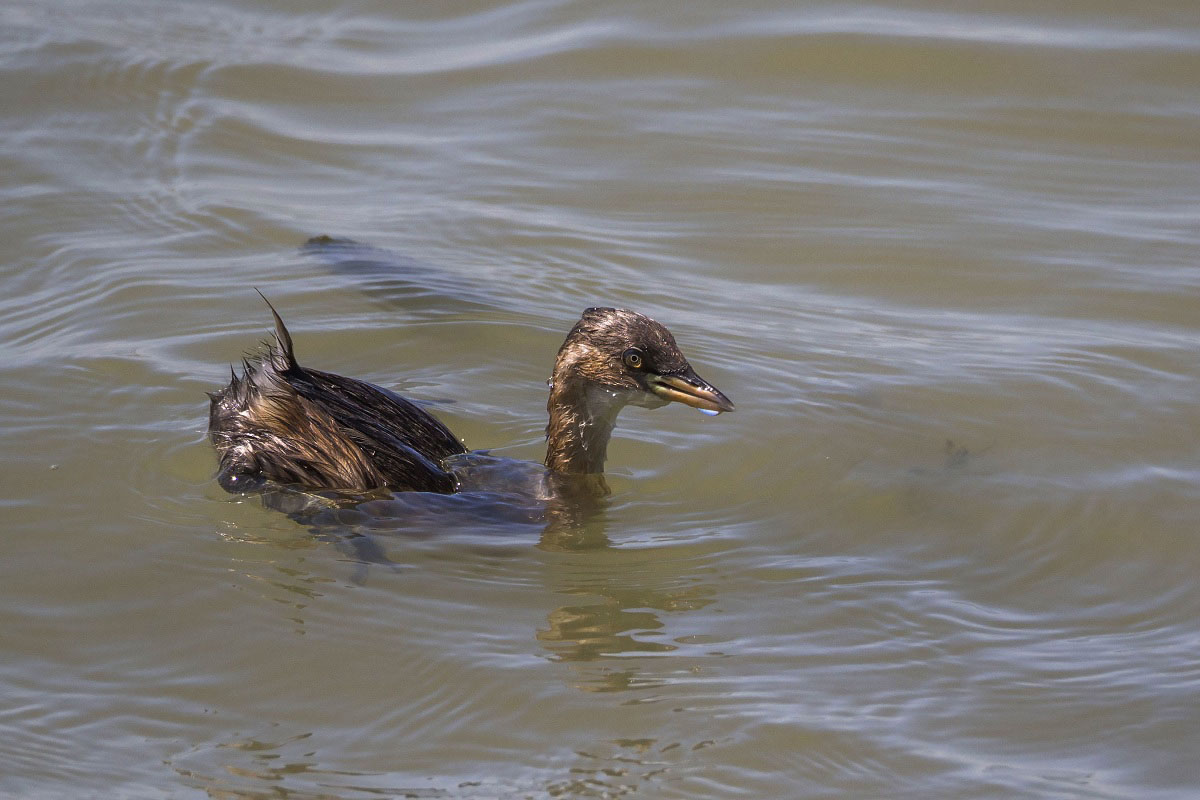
(632, 358)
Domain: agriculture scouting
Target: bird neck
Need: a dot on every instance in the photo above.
(582, 417)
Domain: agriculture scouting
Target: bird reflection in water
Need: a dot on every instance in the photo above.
(621, 621)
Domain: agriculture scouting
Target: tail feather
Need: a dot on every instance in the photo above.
(281, 336)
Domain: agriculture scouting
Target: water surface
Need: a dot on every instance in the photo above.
(943, 259)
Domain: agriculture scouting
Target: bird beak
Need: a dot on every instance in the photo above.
(690, 389)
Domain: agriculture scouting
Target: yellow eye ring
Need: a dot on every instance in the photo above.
(632, 358)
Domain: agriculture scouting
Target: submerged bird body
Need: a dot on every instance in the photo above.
(281, 423)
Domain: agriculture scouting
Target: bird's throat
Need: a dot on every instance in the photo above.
(581, 423)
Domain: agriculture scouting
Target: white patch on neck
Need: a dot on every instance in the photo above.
(604, 403)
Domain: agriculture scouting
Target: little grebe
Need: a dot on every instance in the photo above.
(286, 424)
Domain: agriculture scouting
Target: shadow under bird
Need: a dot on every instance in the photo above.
(284, 424)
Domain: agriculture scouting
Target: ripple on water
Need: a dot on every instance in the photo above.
(943, 261)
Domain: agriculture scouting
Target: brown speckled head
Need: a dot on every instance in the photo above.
(611, 358)
(595, 349)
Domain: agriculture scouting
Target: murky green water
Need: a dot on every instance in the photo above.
(945, 260)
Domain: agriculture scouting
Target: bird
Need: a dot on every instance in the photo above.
(286, 425)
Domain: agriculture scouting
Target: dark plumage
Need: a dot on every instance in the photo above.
(287, 424)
